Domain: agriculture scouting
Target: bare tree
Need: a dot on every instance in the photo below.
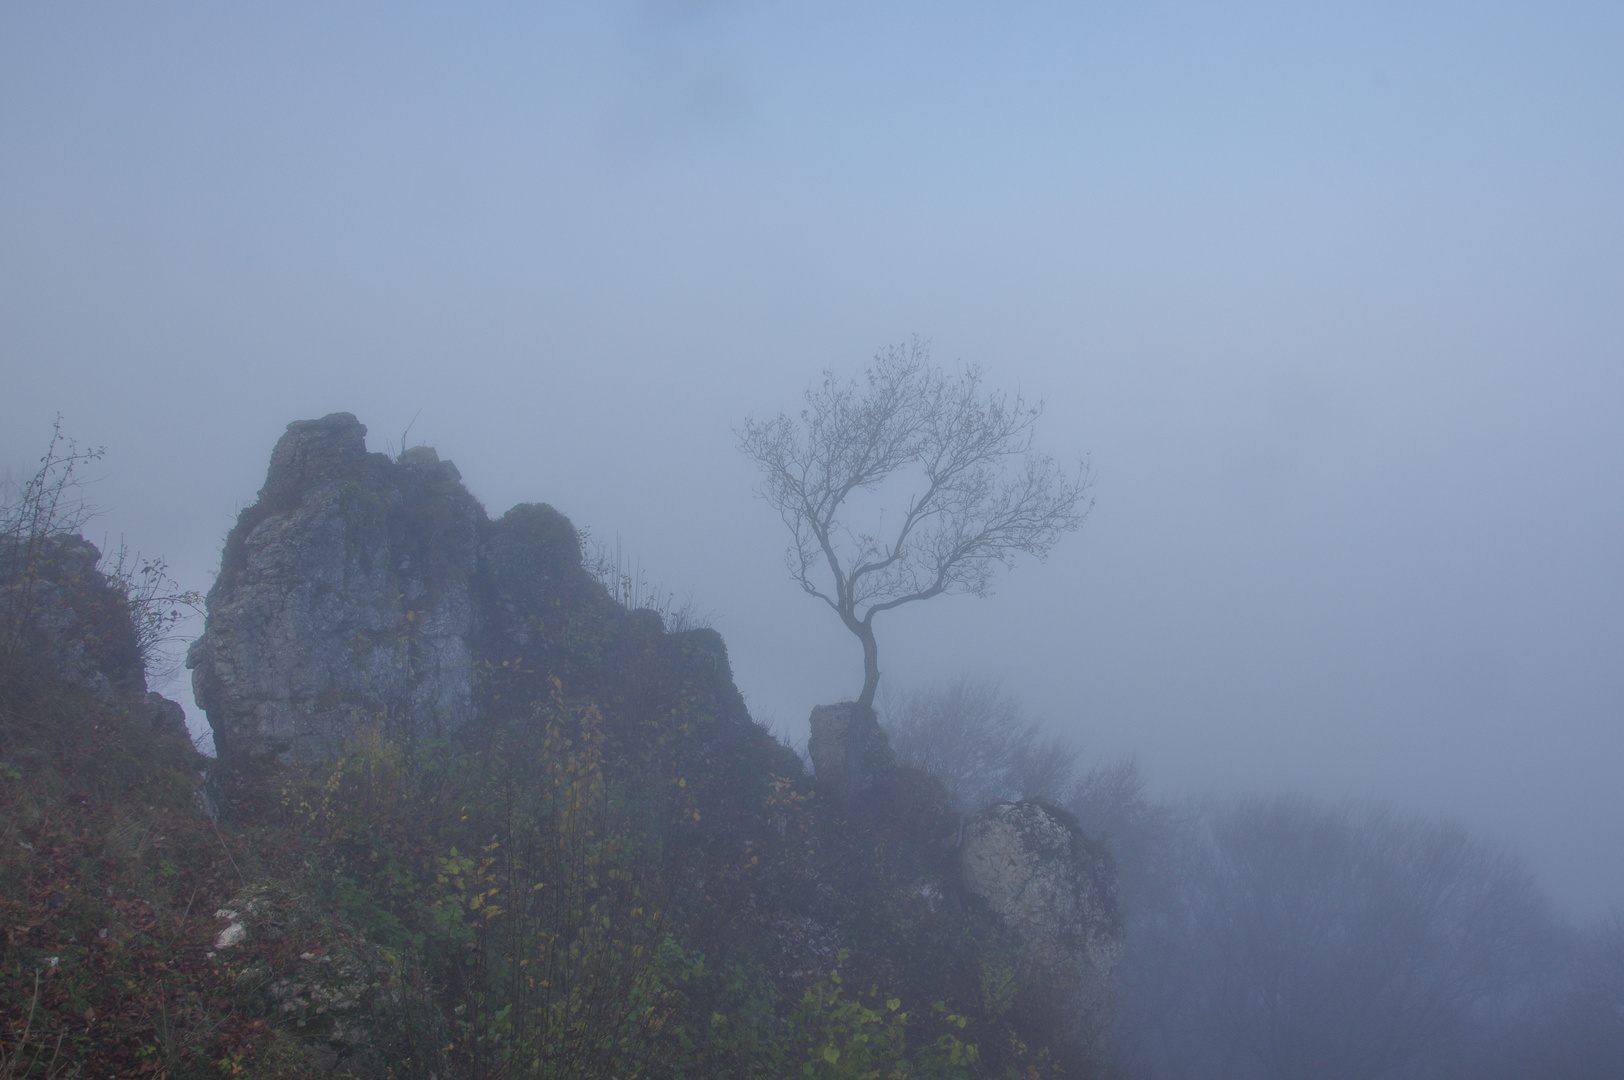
(40, 522)
(1111, 804)
(34, 516)
(158, 605)
(1573, 1026)
(959, 460)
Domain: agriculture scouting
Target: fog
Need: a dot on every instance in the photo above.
(1332, 300)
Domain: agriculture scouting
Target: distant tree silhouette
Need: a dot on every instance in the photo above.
(972, 736)
(1574, 1027)
(957, 460)
(1338, 943)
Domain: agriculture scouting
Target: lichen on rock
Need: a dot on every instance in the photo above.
(1055, 888)
(341, 995)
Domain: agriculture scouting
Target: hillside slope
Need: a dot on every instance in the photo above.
(471, 817)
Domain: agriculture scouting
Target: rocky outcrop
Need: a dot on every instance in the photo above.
(1049, 888)
(61, 612)
(849, 750)
(361, 592)
(64, 619)
(347, 1003)
(1055, 888)
(343, 600)
(164, 715)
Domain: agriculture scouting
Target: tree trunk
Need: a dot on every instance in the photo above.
(871, 664)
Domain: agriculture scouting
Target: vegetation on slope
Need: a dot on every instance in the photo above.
(613, 873)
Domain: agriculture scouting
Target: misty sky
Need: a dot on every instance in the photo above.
(1331, 294)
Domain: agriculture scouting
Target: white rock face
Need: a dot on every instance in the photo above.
(343, 599)
(235, 933)
(1056, 889)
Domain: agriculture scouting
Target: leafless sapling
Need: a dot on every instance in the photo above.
(959, 461)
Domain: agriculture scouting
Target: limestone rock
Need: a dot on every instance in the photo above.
(342, 997)
(1056, 889)
(167, 716)
(849, 749)
(59, 610)
(343, 600)
(362, 593)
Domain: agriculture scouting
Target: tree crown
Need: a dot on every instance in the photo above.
(977, 493)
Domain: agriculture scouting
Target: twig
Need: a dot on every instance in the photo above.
(408, 430)
(215, 825)
(182, 924)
